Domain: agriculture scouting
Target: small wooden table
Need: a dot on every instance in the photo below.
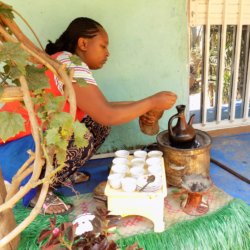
(146, 204)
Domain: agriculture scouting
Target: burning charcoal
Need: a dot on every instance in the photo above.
(196, 183)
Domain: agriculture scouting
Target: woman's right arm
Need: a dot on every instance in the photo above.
(91, 100)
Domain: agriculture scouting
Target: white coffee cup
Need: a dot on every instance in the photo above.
(155, 153)
(122, 153)
(119, 168)
(128, 184)
(140, 154)
(155, 169)
(114, 180)
(137, 171)
(120, 160)
(137, 161)
(153, 161)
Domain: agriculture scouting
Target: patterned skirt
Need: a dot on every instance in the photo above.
(77, 157)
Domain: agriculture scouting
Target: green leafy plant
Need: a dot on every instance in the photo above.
(63, 237)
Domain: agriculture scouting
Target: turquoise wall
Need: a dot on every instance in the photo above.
(148, 50)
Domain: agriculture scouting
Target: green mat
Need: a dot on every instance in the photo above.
(30, 235)
(228, 228)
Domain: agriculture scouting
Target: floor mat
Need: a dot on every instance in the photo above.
(173, 213)
(225, 226)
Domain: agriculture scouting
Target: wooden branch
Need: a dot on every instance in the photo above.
(19, 195)
(52, 65)
(32, 31)
(38, 162)
(34, 127)
(57, 68)
(28, 220)
(34, 212)
(42, 55)
(16, 182)
(40, 59)
(26, 164)
(22, 173)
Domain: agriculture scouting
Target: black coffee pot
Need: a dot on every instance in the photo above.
(182, 135)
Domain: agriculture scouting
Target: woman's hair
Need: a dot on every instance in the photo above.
(79, 27)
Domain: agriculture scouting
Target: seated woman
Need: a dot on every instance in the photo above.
(88, 40)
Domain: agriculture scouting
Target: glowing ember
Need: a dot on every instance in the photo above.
(196, 183)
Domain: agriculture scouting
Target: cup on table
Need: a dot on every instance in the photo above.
(155, 153)
(137, 171)
(140, 154)
(114, 180)
(128, 184)
(122, 153)
(153, 161)
(120, 160)
(137, 161)
(119, 168)
(155, 170)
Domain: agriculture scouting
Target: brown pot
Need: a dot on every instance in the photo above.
(182, 135)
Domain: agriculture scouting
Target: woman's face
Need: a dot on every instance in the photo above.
(95, 52)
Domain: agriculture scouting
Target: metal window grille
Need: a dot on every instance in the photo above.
(223, 30)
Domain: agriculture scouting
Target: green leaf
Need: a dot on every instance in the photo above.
(42, 115)
(81, 82)
(54, 103)
(52, 136)
(79, 131)
(38, 100)
(36, 78)
(11, 124)
(12, 52)
(61, 155)
(9, 75)
(6, 11)
(61, 119)
(15, 73)
(76, 60)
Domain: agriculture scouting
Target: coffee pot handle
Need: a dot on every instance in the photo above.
(170, 130)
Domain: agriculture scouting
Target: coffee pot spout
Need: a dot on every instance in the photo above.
(191, 120)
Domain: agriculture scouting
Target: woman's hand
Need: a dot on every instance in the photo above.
(151, 117)
(164, 100)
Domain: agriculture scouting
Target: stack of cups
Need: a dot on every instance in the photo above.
(120, 167)
(154, 163)
(125, 173)
(137, 164)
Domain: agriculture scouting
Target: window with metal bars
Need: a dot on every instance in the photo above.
(219, 63)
